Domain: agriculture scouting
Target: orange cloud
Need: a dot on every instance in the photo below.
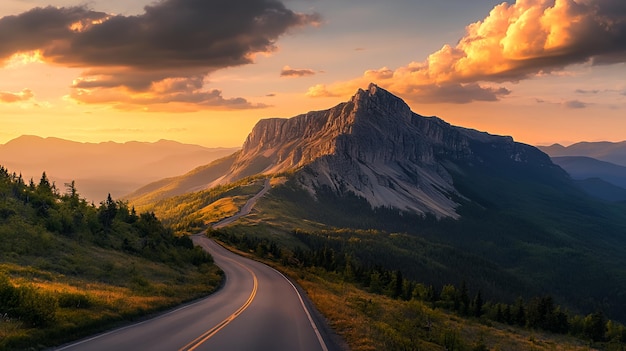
(514, 42)
(8, 97)
(167, 95)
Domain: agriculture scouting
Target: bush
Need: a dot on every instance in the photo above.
(74, 300)
(27, 304)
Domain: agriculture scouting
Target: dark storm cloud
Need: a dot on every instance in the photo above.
(178, 40)
(190, 33)
(45, 29)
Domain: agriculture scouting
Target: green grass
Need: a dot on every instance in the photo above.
(97, 289)
(85, 306)
(373, 322)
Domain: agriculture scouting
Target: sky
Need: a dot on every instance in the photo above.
(205, 71)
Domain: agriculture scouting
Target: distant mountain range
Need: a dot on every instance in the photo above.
(603, 151)
(598, 167)
(102, 168)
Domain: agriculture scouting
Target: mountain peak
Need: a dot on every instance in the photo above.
(373, 146)
(374, 93)
(373, 89)
(380, 107)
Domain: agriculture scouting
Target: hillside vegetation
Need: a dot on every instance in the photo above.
(193, 212)
(69, 268)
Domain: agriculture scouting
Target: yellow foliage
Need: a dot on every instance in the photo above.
(222, 208)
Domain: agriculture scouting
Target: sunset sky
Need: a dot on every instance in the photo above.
(205, 71)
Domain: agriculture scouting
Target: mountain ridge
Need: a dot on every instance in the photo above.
(583, 167)
(106, 167)
(614, 152)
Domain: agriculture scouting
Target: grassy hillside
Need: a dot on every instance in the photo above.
(192, 212)
(69, 269)
(195, 180)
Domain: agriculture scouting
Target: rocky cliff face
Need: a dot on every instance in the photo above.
(373, 146)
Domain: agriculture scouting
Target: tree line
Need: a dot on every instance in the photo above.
(111, 224)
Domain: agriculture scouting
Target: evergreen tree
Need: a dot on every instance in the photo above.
(44, 196)
(107, 212)
(499, 313)
(464, 298)
(44, 183)
(375, 284)
(478, 304)
(595, 326)
(519, 312)
(394, 289)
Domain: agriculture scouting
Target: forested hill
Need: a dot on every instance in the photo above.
(69, 268)
(112, 224)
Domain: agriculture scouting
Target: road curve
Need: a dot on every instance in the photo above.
(246, 209)
(256, 309)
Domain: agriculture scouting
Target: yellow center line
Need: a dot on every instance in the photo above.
(211, 332)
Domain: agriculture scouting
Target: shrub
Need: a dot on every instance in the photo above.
(27, 304)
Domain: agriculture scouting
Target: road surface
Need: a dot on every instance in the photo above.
(256, 309)
(246, 209)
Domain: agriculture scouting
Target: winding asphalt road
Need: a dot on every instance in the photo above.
(256, 309)
(246, 209)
